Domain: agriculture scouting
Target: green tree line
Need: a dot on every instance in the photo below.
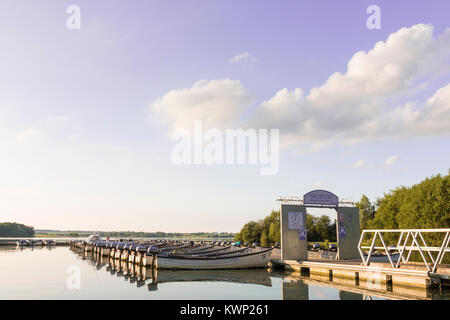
(422, 206)
(266, 232)
(425, 205)
(10, 229)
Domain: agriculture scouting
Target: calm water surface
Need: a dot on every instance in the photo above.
(43, 273)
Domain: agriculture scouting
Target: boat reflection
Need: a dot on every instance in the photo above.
(244, 276)
(140, 275)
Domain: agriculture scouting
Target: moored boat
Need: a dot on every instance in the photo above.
(232, 260)
(36, 243)
(89, 242)
(23, 243)
(147, 259)
(382, 257)
(49, 242)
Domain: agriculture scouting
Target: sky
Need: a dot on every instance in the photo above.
(87, 114)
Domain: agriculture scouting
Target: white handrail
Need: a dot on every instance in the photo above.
(418, 243)
(407, 230)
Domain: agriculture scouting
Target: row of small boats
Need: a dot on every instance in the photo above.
(178, 254)
(35, 243)
(141, 275)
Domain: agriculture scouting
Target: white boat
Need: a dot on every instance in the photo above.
(233, 260)
(88, 243)
(380, 257)
(131, 256)
(50, 242)
(147, 259)
(23, 243)
(105, 251)
(138, 257)
(37, 243)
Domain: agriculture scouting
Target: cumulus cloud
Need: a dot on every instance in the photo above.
(216, 103)
(54, 118)
(242, 57)
(354, 106)
(361, 164)
(391, 161)
(349, 108)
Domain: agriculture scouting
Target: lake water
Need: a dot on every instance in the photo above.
(55, 273)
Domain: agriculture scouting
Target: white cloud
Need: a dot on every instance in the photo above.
(74, 136)
(361, 164)
(216, 103)
(317, 184)
(391, 161)
(354, 106)
(54, 118)
(29, 134)
(348, 108)
(242, 57)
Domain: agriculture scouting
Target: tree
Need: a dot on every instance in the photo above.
(8, 229)
(320, 228)
(270, 232)
(251, 232)
(424, 205)
(366, 212)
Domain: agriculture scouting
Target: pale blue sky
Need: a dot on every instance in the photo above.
(79, 150)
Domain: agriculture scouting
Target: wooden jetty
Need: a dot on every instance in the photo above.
(410, 275)
(295, 287)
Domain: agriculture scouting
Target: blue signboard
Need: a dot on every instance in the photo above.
(342, 232)
(302, 234)
(320, 197)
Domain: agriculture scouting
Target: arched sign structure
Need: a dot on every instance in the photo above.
(294, 245)
(320, 197)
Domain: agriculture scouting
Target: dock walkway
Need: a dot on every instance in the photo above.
(411, 274)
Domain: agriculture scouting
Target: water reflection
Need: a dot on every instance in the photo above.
(13, 248)
(294, 286)
(295, 289)
(139, 274)
(41, 273)
(255, 276)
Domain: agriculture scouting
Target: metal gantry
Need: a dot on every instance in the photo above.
(299, 200)
(409, 240)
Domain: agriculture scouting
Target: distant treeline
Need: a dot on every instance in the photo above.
(132, 234)
(423, 206)
(10, 229)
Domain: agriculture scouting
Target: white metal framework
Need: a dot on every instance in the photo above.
(409, 240)
(299, 201)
